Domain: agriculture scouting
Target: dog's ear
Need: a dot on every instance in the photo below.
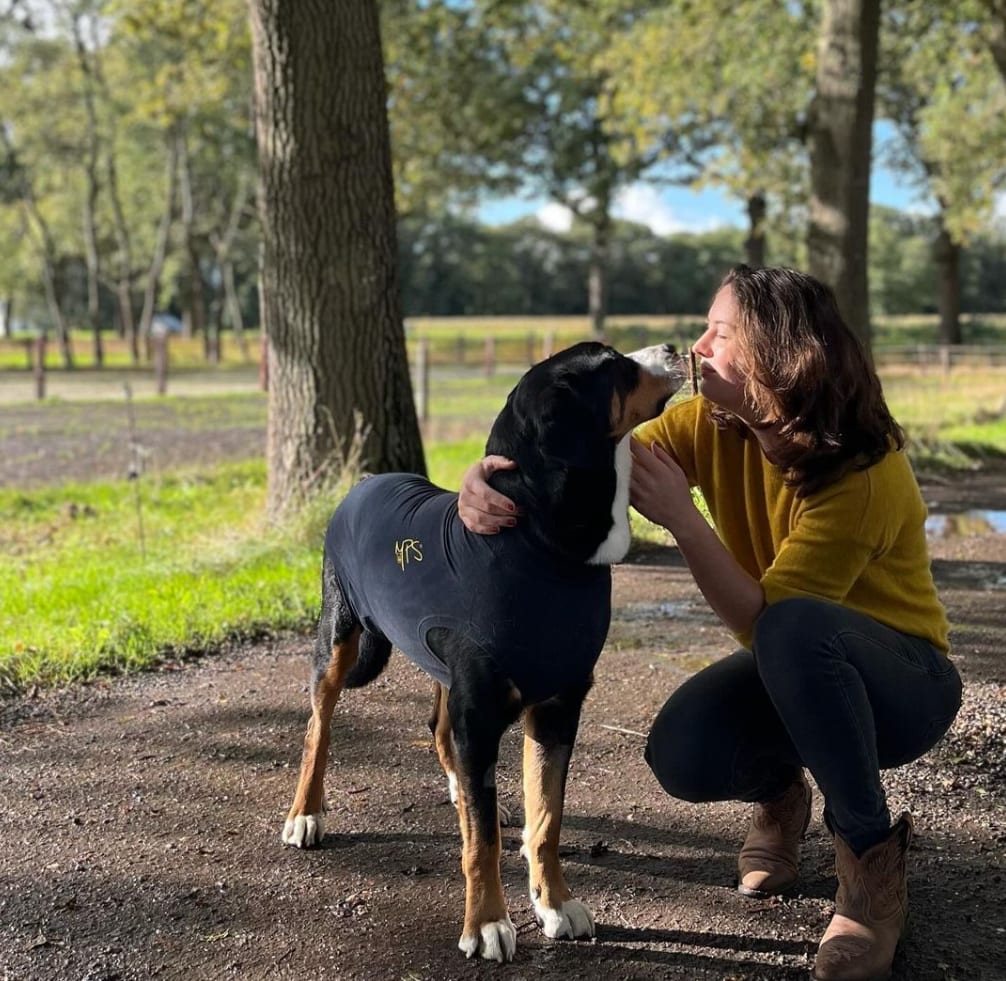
(573, 427)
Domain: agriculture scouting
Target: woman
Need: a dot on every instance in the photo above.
(819, 566)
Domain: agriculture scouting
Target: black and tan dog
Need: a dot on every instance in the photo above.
(507, 624)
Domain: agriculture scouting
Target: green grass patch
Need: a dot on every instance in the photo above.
(84, 593)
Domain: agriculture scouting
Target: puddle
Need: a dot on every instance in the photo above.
(965, 523)
(676, 610)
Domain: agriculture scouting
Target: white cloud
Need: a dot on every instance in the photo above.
(555, 217)
(641, 203)
(644, 204)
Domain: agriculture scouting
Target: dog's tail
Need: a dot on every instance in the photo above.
(372, 660)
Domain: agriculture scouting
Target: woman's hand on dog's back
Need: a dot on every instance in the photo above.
(480, 508)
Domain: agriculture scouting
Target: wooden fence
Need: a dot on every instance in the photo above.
(512, 351)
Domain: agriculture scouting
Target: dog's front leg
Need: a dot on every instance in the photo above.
(549, 732)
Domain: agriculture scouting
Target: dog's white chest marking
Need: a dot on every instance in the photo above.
(614, 547)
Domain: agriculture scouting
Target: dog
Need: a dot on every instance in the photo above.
(507, 625)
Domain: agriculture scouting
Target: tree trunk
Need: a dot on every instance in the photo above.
(754, 244)
(91, 252)
(233, 307)
(947, 255)
(841, 141)
(195, 313)
(330, 294)
(124, 289)
(597, 278)
(160, 244)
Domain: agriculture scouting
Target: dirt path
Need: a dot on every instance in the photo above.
(140, 820)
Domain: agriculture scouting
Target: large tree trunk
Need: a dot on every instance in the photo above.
(947, 255)
(841, 138)
(330, 296)
(754, 244)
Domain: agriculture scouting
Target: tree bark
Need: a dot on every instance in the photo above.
(947, 255)
(330, 295)
(754, 244)
(841, 143)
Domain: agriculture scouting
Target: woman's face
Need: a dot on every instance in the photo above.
(721, 376)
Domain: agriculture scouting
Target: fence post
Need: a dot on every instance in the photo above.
(422, 391)
(548, 345)
(160, 356)
(490, 356)
(945, 358)
(38, 367)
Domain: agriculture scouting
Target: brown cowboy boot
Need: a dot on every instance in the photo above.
(871, 907)
(768, 863)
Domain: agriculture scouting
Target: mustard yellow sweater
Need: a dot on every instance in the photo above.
(860, 542)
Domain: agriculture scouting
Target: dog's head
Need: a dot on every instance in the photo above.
(562, 424)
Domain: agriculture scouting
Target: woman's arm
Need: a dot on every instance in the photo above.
(480, 508)
(659, 491)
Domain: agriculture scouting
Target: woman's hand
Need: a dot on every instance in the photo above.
(659, 488)
(480, 508)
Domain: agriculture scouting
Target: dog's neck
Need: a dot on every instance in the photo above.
(614, 547)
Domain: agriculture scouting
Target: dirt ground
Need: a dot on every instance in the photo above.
(140, 817)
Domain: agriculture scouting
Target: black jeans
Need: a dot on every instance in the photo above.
(824, 688)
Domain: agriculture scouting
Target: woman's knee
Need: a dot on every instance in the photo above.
(680, 766)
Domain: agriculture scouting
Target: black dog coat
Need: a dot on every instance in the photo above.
(406, 563)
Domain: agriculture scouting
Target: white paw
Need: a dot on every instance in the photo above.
(304, 831)
(572, 920)
(495, 941)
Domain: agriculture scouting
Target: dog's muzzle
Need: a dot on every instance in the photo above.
(664, 361)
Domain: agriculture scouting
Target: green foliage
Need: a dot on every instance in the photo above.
(939, 85)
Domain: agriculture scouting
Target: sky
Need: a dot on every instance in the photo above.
(668, 210)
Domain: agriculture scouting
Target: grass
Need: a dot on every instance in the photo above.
(83, 596)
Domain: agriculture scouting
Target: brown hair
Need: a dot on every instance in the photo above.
(807, 370)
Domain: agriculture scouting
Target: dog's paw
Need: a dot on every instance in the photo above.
(304, 831)
(495, 941)
(571, 920)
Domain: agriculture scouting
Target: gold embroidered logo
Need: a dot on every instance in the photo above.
(408, 550)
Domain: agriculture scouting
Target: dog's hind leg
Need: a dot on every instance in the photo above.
(481, 705)
(336, 650)
(440, 726)
(549, 733)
